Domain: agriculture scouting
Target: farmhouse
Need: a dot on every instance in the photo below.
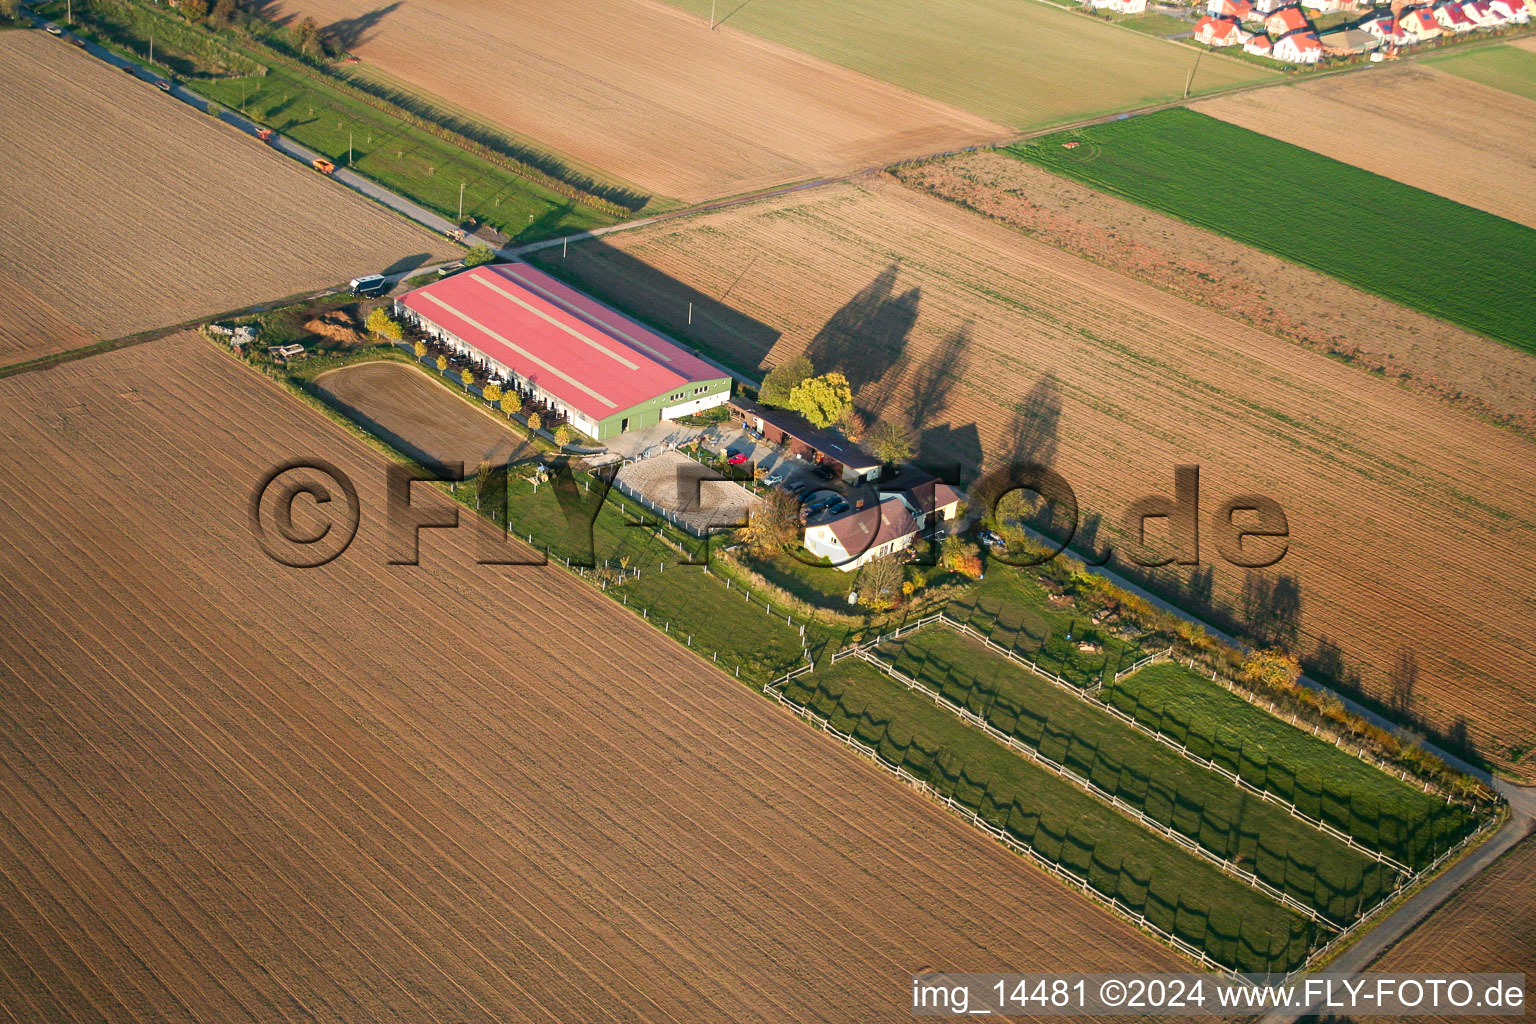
(862, 535)
(594, 366)
(823, 447)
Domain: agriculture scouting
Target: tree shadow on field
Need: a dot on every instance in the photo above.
(936, 378)
(270, 11)
(866, 340)
(659, 300)
(350, 32)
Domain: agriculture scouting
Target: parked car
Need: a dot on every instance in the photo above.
(736, 458)
(53, 29)
(838, 507)
(162, 85)
(991, 539)
(369, 285)
(824, 472)
(449, 269)
(798, 488)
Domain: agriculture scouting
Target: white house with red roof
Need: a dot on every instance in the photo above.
(1420, 24)
(1284, 20)
(1452, 18)
(1512, 11)
(1219, 31)
(1259, 45)
(1242, 10)
(593, 365)
(1481, 13)
(1298, 48)
(1327, 6)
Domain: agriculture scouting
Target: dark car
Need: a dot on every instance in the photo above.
(823, 472)
(798, 488)
(837, 508)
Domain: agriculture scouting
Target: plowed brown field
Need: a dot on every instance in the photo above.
(30, 327)
(647, 93)
(1295, 302)
(1488, 927)
(125, 210)
(1407, 517)
(236, 792)
(1423, 127)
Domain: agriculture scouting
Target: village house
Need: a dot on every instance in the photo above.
(1298, 48)
(1242, 10)
(1481, 13)
(1286, 20)
(1452, 18)
(1327, 6)
(1514, 11)
(1420, 24)
(1219, 31)
(1259, 46)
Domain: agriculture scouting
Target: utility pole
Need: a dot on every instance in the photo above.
(151, 47)
(349, 149)
(711, 15)
(461, 200)
(1192, 68)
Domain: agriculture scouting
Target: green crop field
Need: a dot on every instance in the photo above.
(1503, 67)
(1019, 62)
(1380, 811)
(1289, 854)
(1177, 891)
(1385, 237)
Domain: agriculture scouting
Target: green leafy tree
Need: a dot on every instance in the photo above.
(493, 392)
(511, 403)
(772, 524)
(196, 10)
(822, 400)
(224, 13)
(534, 422)
(562, 435)
(478, 255)
(10, 10)
(892, 442)
(306, 37)
(781, 380)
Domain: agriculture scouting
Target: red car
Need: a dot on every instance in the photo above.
(737, 459)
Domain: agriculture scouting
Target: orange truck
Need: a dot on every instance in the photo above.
(264, 134)
(322, 165)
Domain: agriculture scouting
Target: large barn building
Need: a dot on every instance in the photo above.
(601, 370)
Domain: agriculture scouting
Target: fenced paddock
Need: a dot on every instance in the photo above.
(685, 493)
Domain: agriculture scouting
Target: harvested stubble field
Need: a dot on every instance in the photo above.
(1405, 514)
(126, 210)
(1490, 926)
(1428, 129)
(1336, 217)
(418, 416)
(238, 792)
(648, 94)
(1298, 303)
(1025, 64)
